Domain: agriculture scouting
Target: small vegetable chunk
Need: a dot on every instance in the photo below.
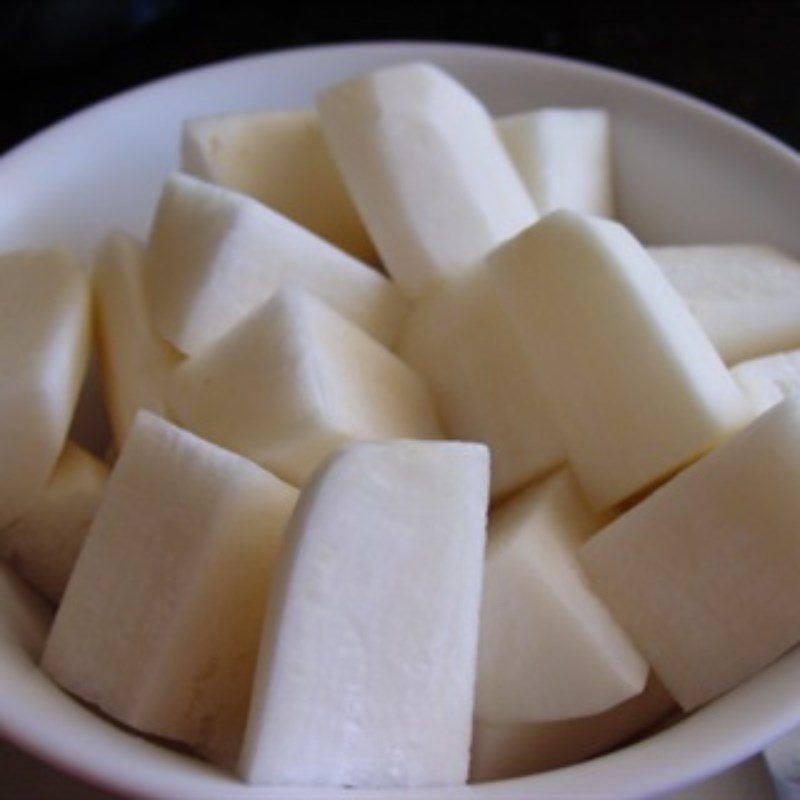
(44, 350)
(280, 158)
(746, 296)
(549, 649)
(768, 380)
(366, 678)
(461, 340)
(563, 156)
(44, 543)
(161, 620)
(703, 573)
(214, 255)
(294, 381)
(135, 360)
(636, 386)
(509, 751)
(426, 169)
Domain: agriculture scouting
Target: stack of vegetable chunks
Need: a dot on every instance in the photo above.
(423, 468)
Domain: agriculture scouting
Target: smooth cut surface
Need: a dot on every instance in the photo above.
(548, 649)
(44, 542)
(214, 255)
(564, 157)
(44, 350)
(703, 573)
(294, 381)
(426, 170)
(160, 623)
(280, 158)
(637, 388)
(461, 340)
(135, 361)
(746, 296)
(367, 674)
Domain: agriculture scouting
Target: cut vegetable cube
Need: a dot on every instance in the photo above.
(548, 649)
(215, 255)
(161, 620)
(135, 360)
(703, 573)
(769, 380)
(44, 351)
(293, 382)
(366, 677)
(426, 169)
(43, 544)
(510, 751)
(637, 388)
(563, 156)
(281, 159)
(461, 340)
(746, 296)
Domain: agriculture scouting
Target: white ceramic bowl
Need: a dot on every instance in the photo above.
(684, 173)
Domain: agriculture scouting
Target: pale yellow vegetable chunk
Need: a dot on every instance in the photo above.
(135, 360)
(294, 381)
(768, 380)
(214, 255)
(549, 649)
(280, 158)
(44, 350)
(426, 170)
(44, 543)
(703, 573)
(637, 388)
(161, 621)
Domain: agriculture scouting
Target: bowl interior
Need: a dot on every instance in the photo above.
(683, 173)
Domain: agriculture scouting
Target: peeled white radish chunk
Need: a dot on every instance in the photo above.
(768, 380)
(703, 573)
(746, 296)
(161, 620)
(215, 254)
(135, 360)
(294, 381)
(44, 349)
(563, 156)
(510, 751)
(366, 675)
(426, 169)
(548, 648)
(638, 389)
(43, 544)
(281, 159)
(461, 340)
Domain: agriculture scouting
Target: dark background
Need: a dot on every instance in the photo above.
(57, 56)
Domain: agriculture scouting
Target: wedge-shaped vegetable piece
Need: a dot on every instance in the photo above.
(637, 387)
(769, 380)
(549, 649)
(366, 676)
(703, 573)
(281, 159)
(43, 544)
(746, 296)
(161, 620)
(509, 751)
(44, 348)
(135, 360)
(563, 156)
(426, 170)
(461, 340)
(215, 254)
(294, 381)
